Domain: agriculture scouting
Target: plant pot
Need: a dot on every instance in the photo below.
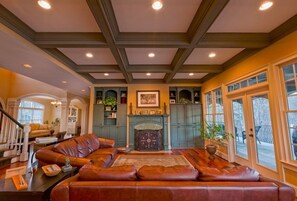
(211, 149)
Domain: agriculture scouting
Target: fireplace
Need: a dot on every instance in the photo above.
(148, 132)
(148, 137)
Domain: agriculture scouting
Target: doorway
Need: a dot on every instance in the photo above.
(254, 144)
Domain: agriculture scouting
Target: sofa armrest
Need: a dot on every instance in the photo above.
(286, 192)
(106, 143)
(61, 191)
(51, 157)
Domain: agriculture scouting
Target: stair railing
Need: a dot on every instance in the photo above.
(14, 135)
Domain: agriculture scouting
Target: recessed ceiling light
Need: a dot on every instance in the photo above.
(27, 66)
(211, 55)
(157, 5)
(191, 74)
(44, 4)
(106, 74)
(151, 55)
(64, 82)
(148, 74)
(265, 5)
(83, 90)
(90, 55)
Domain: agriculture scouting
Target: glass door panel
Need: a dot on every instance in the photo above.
(239, 128)
(262, 131)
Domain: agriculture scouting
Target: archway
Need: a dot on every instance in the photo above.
(77, 116)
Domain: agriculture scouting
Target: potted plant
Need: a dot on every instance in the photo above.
(214, 133)
(110, 101)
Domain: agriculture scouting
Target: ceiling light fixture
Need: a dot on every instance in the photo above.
(56, 103)
(157, 5)
(191, 74)
(265, 5)
(212, 55)
(44, 4)
(106, 74)
(27, 66)
(83, 90)
(64, 82)
(148, 74)
(90, 55)
(151, 55)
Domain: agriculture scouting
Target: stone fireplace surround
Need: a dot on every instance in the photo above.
(145, 123)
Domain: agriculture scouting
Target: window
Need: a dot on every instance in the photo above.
(214, 107)
(290, 86)
(30, 112)
(262, 77)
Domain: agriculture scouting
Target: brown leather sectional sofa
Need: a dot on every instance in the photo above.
(177, 183)
(80, 151)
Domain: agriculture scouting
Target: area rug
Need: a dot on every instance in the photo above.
(140, 160)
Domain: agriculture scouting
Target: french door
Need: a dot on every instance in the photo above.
(253, 140)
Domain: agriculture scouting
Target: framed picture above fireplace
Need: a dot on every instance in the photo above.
(148, 98)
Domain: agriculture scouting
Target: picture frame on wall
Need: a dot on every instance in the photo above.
(148, 99)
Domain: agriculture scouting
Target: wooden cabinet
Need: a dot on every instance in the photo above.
(184, 95)
(110, 120)
(185, 122)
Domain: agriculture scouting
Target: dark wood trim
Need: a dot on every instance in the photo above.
(98, 69)
(234, 40)
(284, 29)
(204, 17)
(201, 69)
(149, 68)
(56, 40)
(13, 22)
(99, 9)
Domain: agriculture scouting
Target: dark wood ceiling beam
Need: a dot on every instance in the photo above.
(14, 23)
(284, 29)
(148, 81)
(234, 40)
(110, 81)
(155, 40)
(56, 40)
(88, 77)
(208, 77)
(98, 69)
(206, 14)
(186, 81)
(61, 57)
(201, 69)
(104, 16)
(149, 68)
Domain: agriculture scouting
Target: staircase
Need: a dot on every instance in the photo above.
(13, 140)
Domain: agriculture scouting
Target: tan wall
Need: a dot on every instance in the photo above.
(5, 82)
(281, 49)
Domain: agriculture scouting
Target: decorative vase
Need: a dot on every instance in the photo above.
(211, 149)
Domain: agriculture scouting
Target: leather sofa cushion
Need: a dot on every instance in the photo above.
(93, 142)
(105, 151)
(34, 126)
(119, 173)
(239, 173)
(172, 173)
(68, 148)
(82, 146)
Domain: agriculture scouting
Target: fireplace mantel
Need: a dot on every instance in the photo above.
(161, 120)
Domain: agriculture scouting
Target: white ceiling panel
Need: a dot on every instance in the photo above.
(111, 76)
(100, 55)
(187, 76)
(144, 76)
(244, 16)
(200, 55)
(139, 16)
(140, 55)
(64, 16)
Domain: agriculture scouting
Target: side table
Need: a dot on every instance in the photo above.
(39, 186)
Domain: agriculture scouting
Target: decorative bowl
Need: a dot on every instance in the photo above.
(51, 170)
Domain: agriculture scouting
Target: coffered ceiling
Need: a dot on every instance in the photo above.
(121, 33)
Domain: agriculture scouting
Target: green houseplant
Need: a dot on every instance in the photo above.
(213, 134)
(110, 101)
